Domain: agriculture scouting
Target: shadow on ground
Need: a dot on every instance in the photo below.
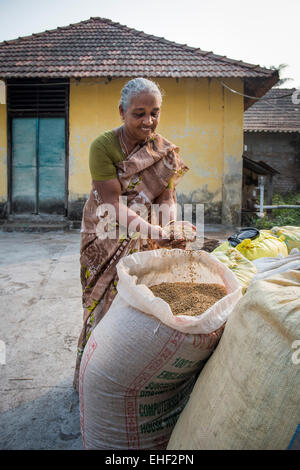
(50, 422)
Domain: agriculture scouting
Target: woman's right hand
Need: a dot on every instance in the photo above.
(166, 240)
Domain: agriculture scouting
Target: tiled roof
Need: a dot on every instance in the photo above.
(100, 47)
(274, 115)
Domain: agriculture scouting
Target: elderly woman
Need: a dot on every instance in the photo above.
(136, 162)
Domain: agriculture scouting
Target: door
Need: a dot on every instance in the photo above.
(38, 165)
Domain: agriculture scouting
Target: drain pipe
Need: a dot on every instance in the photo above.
(261, 206)
(261, 196)
(284, 206)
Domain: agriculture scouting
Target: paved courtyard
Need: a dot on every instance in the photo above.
(40, 320)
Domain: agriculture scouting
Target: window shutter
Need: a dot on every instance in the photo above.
(37, 98)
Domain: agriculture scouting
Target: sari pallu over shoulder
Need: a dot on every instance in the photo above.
(143, 176)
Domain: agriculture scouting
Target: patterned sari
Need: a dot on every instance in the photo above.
(143, 176)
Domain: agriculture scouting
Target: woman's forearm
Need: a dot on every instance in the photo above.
(167, 213)
(132, 222)
(167, 207)
(128, 220)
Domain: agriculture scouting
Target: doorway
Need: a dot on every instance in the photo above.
(38, 146)
(38, 165)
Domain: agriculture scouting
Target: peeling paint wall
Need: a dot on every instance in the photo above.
(3, 159)
(199, 115)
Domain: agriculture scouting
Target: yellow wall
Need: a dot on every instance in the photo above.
(232, 156)
(3, 155)
(199, 115)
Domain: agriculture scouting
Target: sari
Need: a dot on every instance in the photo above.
(144, 174)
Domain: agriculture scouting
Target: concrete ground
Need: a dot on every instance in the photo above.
(40, 321)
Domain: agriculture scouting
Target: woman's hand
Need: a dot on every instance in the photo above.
(176, 235)
(172, 243)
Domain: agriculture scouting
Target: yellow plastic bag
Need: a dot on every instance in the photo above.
(289, 234)
(241, 267)
(223, 247)
(263, 246)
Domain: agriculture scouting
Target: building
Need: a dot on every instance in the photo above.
(63, 89)
(252, 172)
(272, 135)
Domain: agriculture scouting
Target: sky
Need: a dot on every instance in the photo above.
(264, 32)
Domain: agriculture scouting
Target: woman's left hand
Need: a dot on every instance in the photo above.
(177, 234)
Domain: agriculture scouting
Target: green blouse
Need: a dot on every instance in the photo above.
(105, 152)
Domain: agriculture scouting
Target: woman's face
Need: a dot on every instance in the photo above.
(142, 116)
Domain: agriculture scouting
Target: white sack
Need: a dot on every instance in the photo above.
(140, 363)
(268, 267)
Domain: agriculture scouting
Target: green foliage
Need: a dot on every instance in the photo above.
(279, 217)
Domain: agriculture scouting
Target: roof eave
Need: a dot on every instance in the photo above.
(278, 131)
(258, 87)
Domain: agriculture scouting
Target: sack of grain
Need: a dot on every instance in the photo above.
(263, 246)
(289, 234)
(268, 267)
(141, 361)
(222, 247)
(247, 396)
(242, 268)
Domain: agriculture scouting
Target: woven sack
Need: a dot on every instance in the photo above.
(289, 234)
(242, 268)
(264, 245)
(140, 363)
(247, 395)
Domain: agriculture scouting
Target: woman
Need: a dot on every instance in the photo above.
(135, 163)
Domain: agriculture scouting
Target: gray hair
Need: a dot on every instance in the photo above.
(136, 86)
